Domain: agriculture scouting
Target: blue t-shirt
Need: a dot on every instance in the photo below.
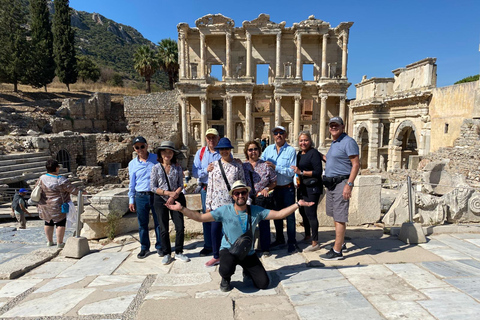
(235, 225)
(338, 161)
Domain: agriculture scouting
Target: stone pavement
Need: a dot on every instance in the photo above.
(381, 278)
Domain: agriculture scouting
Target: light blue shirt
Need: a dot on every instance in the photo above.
(139, 173)
(283, 161)
(199, 169)
(338, 156)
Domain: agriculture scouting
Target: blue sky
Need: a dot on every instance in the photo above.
(386, 35)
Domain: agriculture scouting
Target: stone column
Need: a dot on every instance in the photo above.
(323, 119)
(184, 122)
(227, 55)
(296, 121)
(344, 55)
(229, 131)
(201, 72)
(278, 111)
(181, 55)
(298, 73)
(203, 118)
(391, 145)
(249, 54)
(278, 56)
(248, 119)
(373, 144)
(324, 56)
(341, 112)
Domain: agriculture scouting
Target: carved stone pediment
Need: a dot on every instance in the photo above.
(263, 21)
(312, 22)
(214, 20)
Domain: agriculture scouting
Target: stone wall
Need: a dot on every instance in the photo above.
(114, 148)
(82, 149)
(155, 116)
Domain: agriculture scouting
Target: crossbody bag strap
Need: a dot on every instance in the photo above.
(166, 177)
(249, 225)
(223, 174)
(253, 184)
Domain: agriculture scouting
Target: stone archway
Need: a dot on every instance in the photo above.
(362, 139)
(63, 158)
(406, 143)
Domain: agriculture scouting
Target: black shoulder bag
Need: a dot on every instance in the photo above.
(260, 200)
(242, 246)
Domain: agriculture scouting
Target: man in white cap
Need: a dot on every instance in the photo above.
(235, 223)
(281, 157)
(202, 165)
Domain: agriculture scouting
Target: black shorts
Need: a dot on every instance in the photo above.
(61, 223)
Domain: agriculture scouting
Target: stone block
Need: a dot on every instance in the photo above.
(105, 203)
(76, 247)
(79, 124)
(412, 233)
(100, 125)
(194, 201)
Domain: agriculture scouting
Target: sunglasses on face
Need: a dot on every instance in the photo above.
(140, 147)
(278, 132)
(236, 194)
(252, 149)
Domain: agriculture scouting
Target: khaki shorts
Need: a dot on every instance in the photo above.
(336, 206)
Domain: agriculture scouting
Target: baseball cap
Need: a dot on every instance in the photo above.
(22, 190)
(211, 131)
(279, 128)
(139, 139)
(336, 120)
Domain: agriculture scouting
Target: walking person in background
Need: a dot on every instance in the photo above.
(225, 172)
(140, 197)
(281, 157)
(202, 165)
(341, 169)
(262, 179)
(309, 169)
(55, 194)
(19, 208)
(166, 182)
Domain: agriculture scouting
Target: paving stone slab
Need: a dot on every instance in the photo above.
(8, 247)
(20, 265)
(277, 261)
(449, 254)
(452, 269)
(432, 243)
(11, 289)
(59, 283)
(162, 295)
(450, 304)
(470, 286)
(115, 280)
(294, 275)
(399, 310)
(462, 246)
(98, 263)
(174, 280)
(265, 308)
(117, 305)
(415, 276)
(152, 264)
(49, 270)
(336, 307)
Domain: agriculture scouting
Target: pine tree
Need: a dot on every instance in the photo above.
(13, 42)
(42, 69)
(64, 44)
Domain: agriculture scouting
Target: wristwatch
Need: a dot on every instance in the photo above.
(350, 184)
(301, 173)
(267, 188)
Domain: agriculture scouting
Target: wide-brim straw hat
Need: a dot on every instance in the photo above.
(239, 185)
(168, 145)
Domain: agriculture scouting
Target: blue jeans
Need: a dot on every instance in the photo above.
(285, 197)
(143, 205)
(207, 226)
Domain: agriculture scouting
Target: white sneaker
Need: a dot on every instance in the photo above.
(167, 259)
(311, 248)
(181, 257)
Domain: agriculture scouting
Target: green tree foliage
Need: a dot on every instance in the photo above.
(14, 47)
(64, 44)
(468, 79)
(42, 69)
(168, 58)
(117, 80)
(146, 64)
(87, 69)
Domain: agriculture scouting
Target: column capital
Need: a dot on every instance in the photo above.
(279, 36)
(184, 99)
(298, 36)
(297, 98)
(248, 98)
(181, 35)
(325, 36)
(228, 98)
(278, 98)
(324, 97)
(248, 35)
(343, 98)
(203, 98)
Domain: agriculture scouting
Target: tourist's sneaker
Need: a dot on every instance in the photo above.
(142, 254)
(330, 246)
(332, 255)
(160, 253)
(277, 243)
(181, 257)
(311, 248)
(205, 252)
(293, 248)
(50, 244)
(212, 262)
(225, 285)
(167, 259)
(61, 245)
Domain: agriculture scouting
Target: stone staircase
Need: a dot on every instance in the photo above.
(22, 166)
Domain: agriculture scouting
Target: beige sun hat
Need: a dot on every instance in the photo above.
(239, 185)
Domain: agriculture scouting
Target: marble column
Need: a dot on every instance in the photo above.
(298, 73)
(344, 55)
(278, 56)
(201, 72)
(229, 129)
(249, 54)
(296, 121)
(324, 56)
(184, 121)
(391, 145)
(323, 119)
(248, 119)
(278, 111)
(373, 144)
(342, 110)
(181, 57)
(228, 39)
(203, 119)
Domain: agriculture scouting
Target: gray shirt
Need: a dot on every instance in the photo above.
(338, 156)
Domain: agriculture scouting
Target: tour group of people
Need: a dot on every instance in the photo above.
(271, 184)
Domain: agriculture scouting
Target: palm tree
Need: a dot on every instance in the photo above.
(146, 64)
(168, 58)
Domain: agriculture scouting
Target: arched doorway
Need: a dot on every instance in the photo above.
(362, 139)
(406, 138)
(63, 159)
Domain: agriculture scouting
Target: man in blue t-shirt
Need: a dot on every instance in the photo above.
(235, 222)
(341, 169)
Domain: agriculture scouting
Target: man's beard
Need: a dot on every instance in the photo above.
(241, 201)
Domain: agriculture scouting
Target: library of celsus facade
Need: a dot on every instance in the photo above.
(304, 70)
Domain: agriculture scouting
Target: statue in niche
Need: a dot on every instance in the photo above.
(196, 132)
(239, 132)
(288, 69)
(194, 71)
(332, 70)
(238, 69)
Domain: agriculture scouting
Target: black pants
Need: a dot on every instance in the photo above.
(309, 214)
(251, 265)
(163, 218)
